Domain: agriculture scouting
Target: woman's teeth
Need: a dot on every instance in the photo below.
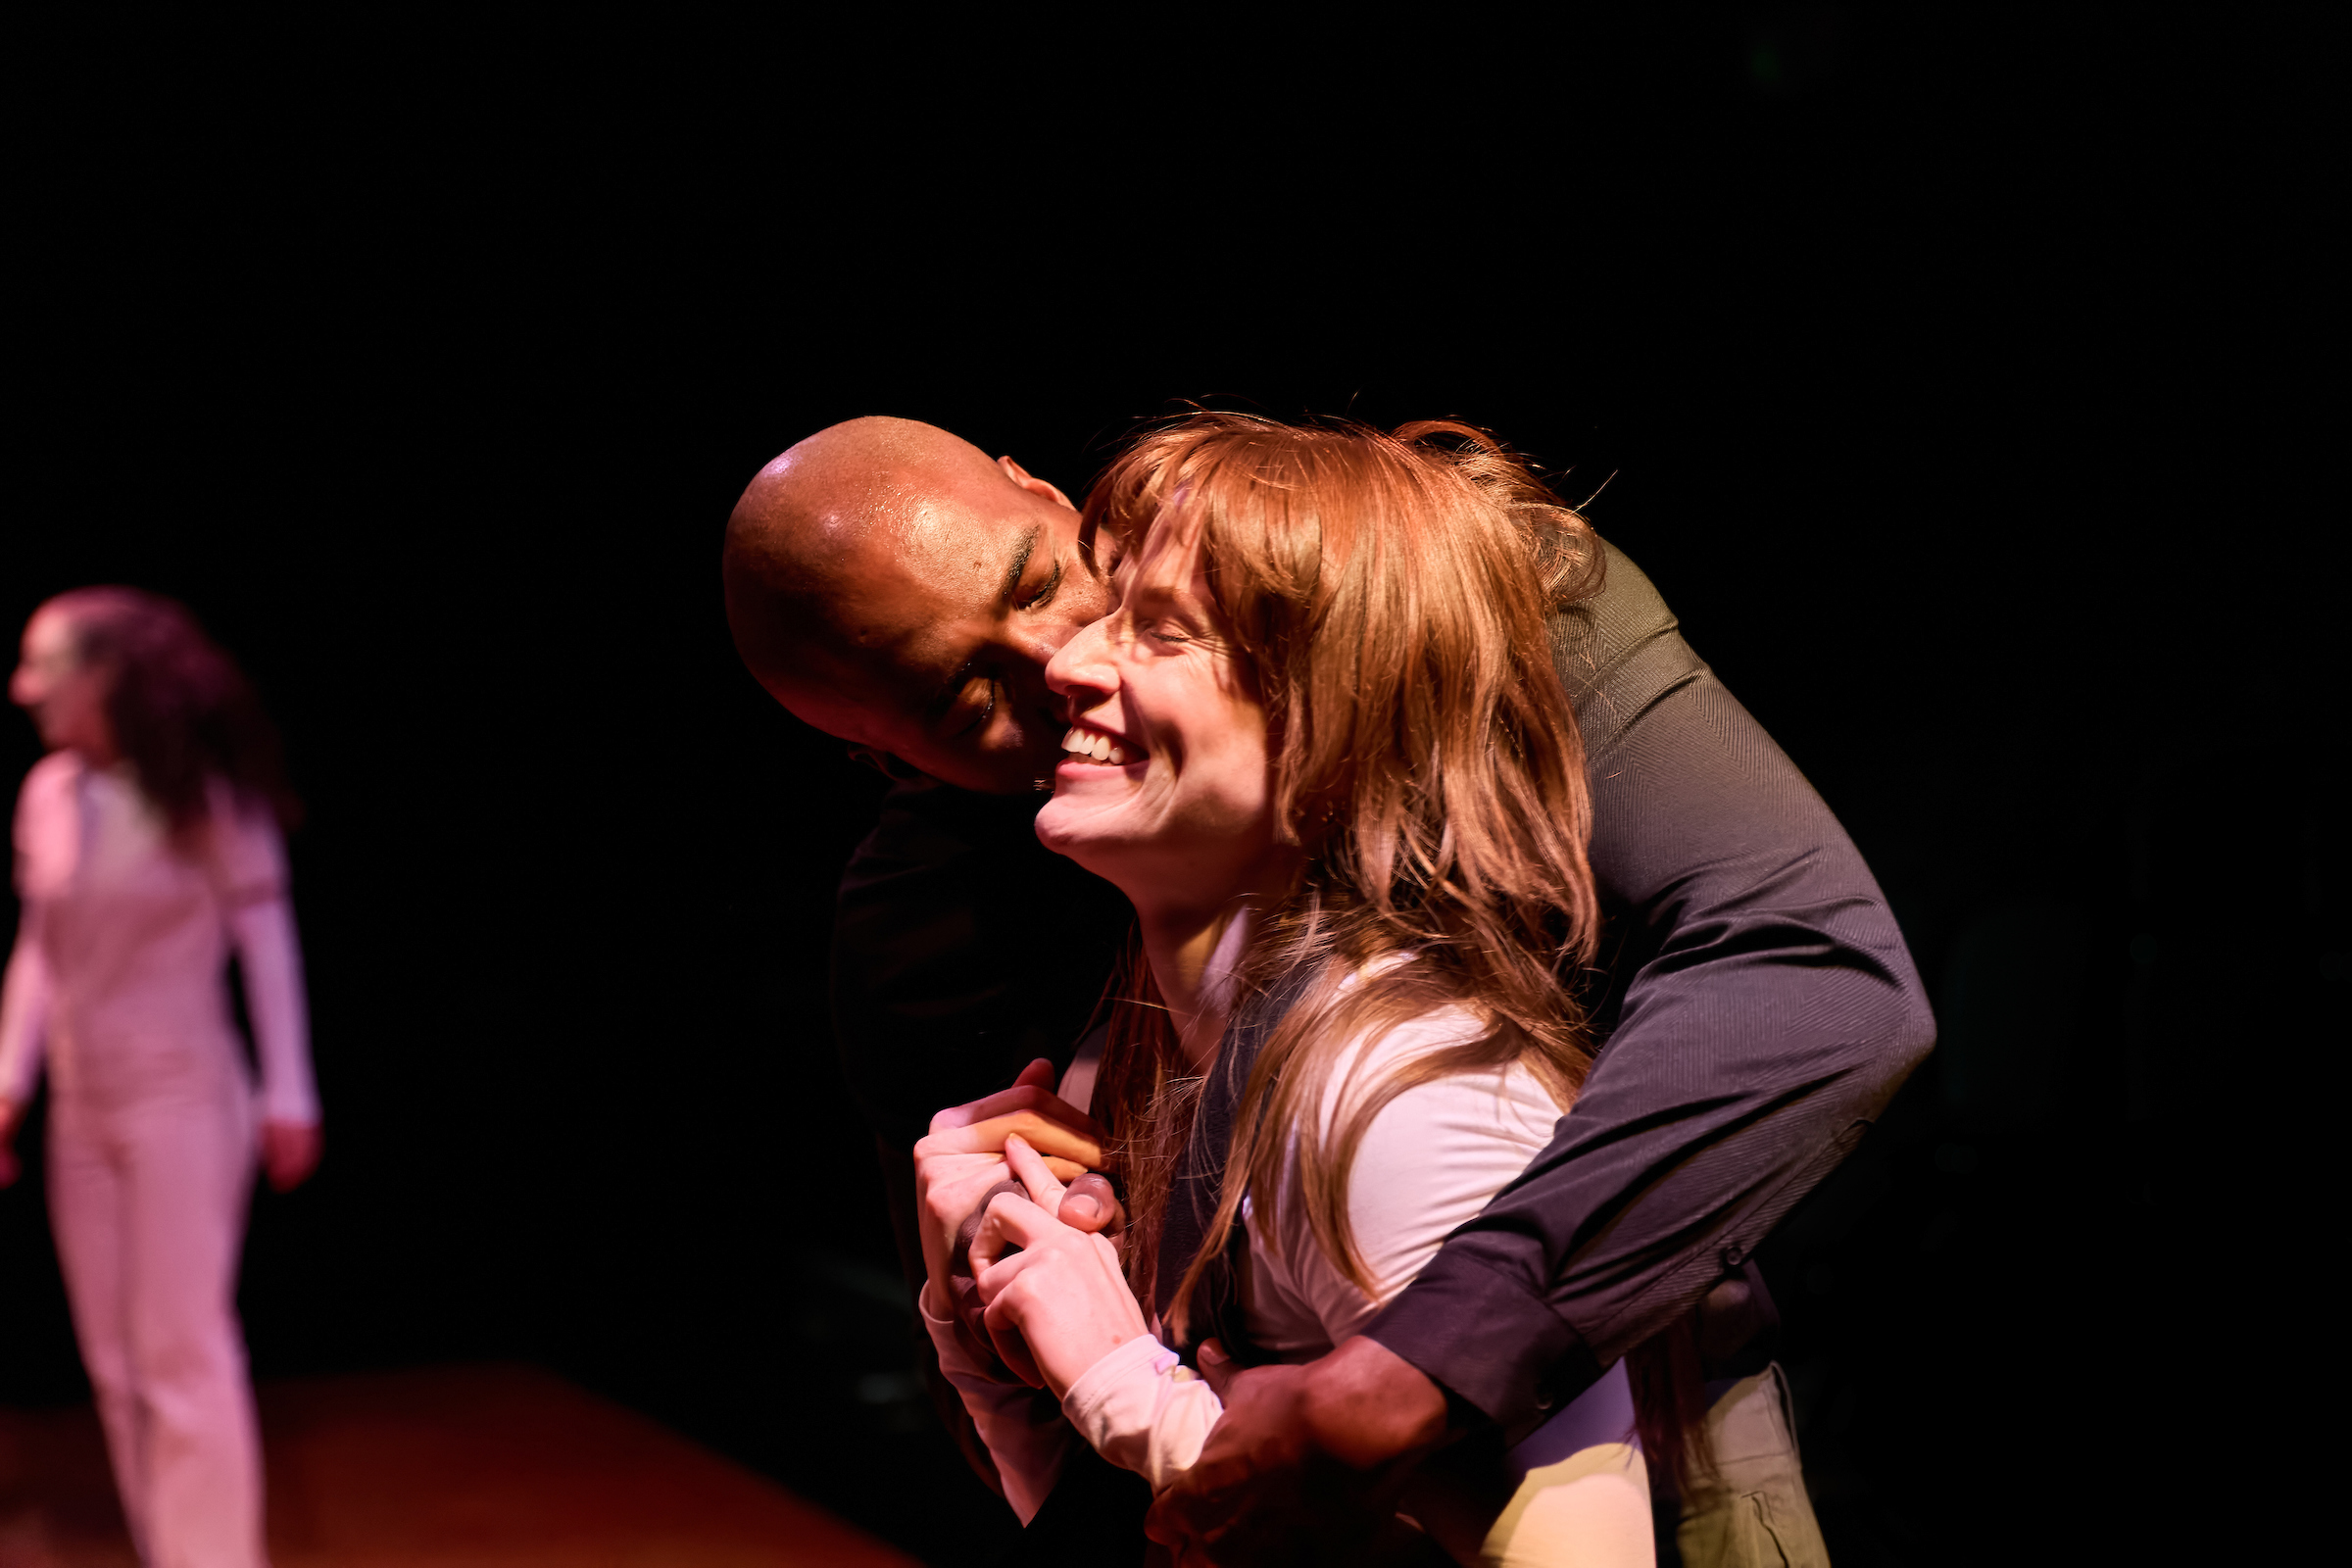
(1095, 747)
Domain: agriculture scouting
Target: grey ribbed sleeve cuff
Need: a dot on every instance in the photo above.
(1480, 1335)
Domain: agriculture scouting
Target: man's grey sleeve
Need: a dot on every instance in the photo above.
(1765, 1011)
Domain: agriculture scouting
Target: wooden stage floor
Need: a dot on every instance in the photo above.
(459, 1467)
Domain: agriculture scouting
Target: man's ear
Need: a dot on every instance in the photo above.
(888, 766)
(1032, 483)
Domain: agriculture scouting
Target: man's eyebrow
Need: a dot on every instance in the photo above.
(1020, 563)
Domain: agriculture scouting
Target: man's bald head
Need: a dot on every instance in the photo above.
(890, 584)
(815, 524)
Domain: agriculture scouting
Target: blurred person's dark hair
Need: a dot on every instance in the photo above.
(181, 711)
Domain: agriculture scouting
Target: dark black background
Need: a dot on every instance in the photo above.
(1938, 369)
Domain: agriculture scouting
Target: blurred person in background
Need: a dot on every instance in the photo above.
(147, 849)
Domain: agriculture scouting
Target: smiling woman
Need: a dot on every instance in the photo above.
(1164, 785)
(1330, 651)
(1321, 746)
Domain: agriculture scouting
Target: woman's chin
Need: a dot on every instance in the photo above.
(1062, 827)
(1088, 831)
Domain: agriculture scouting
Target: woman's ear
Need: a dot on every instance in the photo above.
(1033, 484)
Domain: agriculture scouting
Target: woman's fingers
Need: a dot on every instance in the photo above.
(1047, 1135)
(959, 1256)
(1011, 1215)
(949, 1189)
(1009, 1221)
(1011, 1348)
(1022, 1096)
(1066, 1297)
(1000, 1314)
(990, 1282)
(1045, 1189)
(1044, 1243)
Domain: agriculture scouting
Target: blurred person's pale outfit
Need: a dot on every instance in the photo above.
(119, 973)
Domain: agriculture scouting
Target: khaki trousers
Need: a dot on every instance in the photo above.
(1757, 1514)
(1589, 1511)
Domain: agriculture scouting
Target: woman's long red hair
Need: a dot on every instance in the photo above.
(1388, 595)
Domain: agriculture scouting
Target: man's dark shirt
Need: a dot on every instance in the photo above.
(963, 950)
(1759, 1010)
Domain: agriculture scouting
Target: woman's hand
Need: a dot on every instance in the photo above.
(1058, 1304)
(10, 1110)
(962, 1166)
(290, 1151)
(963, 1159)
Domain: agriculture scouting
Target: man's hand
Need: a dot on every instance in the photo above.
(1091, 1204)
(290, 1151)
(1305, 1463)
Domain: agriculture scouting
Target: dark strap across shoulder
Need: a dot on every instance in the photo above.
(1199, 1185)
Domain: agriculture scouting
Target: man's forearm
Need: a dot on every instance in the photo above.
(1549, 1318)
(1774, 1015)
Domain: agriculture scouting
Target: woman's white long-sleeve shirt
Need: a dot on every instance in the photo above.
(117, 972)
(1433, 1157)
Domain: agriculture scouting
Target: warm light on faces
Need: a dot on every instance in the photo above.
(66, 697)
(945, 627)
(984, 715)
(1164, 788)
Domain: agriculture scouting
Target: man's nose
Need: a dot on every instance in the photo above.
(1042, 645)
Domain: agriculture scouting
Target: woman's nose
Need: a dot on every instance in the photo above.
(1082, 664)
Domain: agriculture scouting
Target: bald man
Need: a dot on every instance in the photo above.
(892, 585)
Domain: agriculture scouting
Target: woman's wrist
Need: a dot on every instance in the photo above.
(1136, 1357)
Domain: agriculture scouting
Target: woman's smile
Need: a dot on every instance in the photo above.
(1087, 746)
(1164, 785)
